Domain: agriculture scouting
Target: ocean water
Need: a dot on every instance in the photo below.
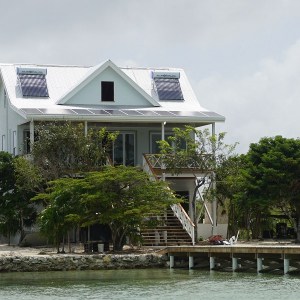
(147, 284)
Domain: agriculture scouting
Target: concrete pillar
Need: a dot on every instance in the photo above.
(286, 265)
(212, 262)
(234, 263)
(259, 264)
(191, 262)
(171, 261)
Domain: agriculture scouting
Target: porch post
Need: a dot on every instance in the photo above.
(163, 167)
(85, 128)
(214, 201)
(31, 135)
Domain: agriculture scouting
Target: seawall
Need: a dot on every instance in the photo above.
(67, 262)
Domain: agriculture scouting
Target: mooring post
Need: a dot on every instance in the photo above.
(191, 262)
(234, 263)
(259, 264)
(212, 262)
(171, 261)
(286, 265)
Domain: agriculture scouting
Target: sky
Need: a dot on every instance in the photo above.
(242, 57)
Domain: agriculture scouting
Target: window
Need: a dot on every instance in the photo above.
(107, 90)
(26, 141)
(123, 150)
(33, 82)
(156, 137)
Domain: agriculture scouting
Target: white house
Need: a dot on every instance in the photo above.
(143, 104)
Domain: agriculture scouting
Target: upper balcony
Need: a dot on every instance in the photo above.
(154, 164)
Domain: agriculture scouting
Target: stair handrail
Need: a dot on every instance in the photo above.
(177, 209)
(185, 220)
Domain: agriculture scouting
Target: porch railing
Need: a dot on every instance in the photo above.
(151, 161)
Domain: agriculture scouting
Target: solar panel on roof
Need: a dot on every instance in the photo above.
(99, 112)
(115, 112)
(164, 113)
(32, 111)
(188, 113)
(211, 114)
(148, 113)
(56, 111)
(81, 111)
(132, 112)
(168, 88)
(33, 85)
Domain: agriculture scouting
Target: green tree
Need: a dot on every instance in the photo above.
(62, 203)
(16, 210)
(273, 176)
(121, 197)
(63, 149)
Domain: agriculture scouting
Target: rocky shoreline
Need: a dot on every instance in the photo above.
(30, 260)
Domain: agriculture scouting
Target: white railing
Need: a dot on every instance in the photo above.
(185, 220)
(148, 168)
(177, 209)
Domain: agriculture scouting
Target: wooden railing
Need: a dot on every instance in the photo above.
(150, 161)
(185, 220)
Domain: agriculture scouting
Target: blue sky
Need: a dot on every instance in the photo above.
(242, 56)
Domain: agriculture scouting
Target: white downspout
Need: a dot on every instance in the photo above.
(214, 201)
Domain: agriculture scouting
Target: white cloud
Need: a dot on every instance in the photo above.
(265, 103)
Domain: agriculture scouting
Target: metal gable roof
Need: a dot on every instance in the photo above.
(64, 81)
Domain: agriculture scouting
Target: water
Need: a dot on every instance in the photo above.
(147, 284)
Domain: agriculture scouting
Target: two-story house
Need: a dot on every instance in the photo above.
(143, 104)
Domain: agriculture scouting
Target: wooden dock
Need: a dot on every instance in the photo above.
(238, 258)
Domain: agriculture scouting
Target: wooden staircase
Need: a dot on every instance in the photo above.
(168, 232)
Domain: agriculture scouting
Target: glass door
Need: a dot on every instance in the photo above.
(124, 149)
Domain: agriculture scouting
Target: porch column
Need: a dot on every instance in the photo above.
(85, 128)
(163, 167)
(31, 134)
(214, 200)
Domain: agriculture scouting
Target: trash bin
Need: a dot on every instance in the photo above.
(101, 247)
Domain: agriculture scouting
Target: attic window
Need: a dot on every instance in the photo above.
(107, 91)
(33, 82)
(167, 85)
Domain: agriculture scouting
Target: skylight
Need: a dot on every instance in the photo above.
(33, 82)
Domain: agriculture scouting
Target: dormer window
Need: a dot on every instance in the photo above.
(33, 82)
(167, 85)
(107, 91)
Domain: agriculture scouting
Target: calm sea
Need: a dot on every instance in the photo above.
(147, 284)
